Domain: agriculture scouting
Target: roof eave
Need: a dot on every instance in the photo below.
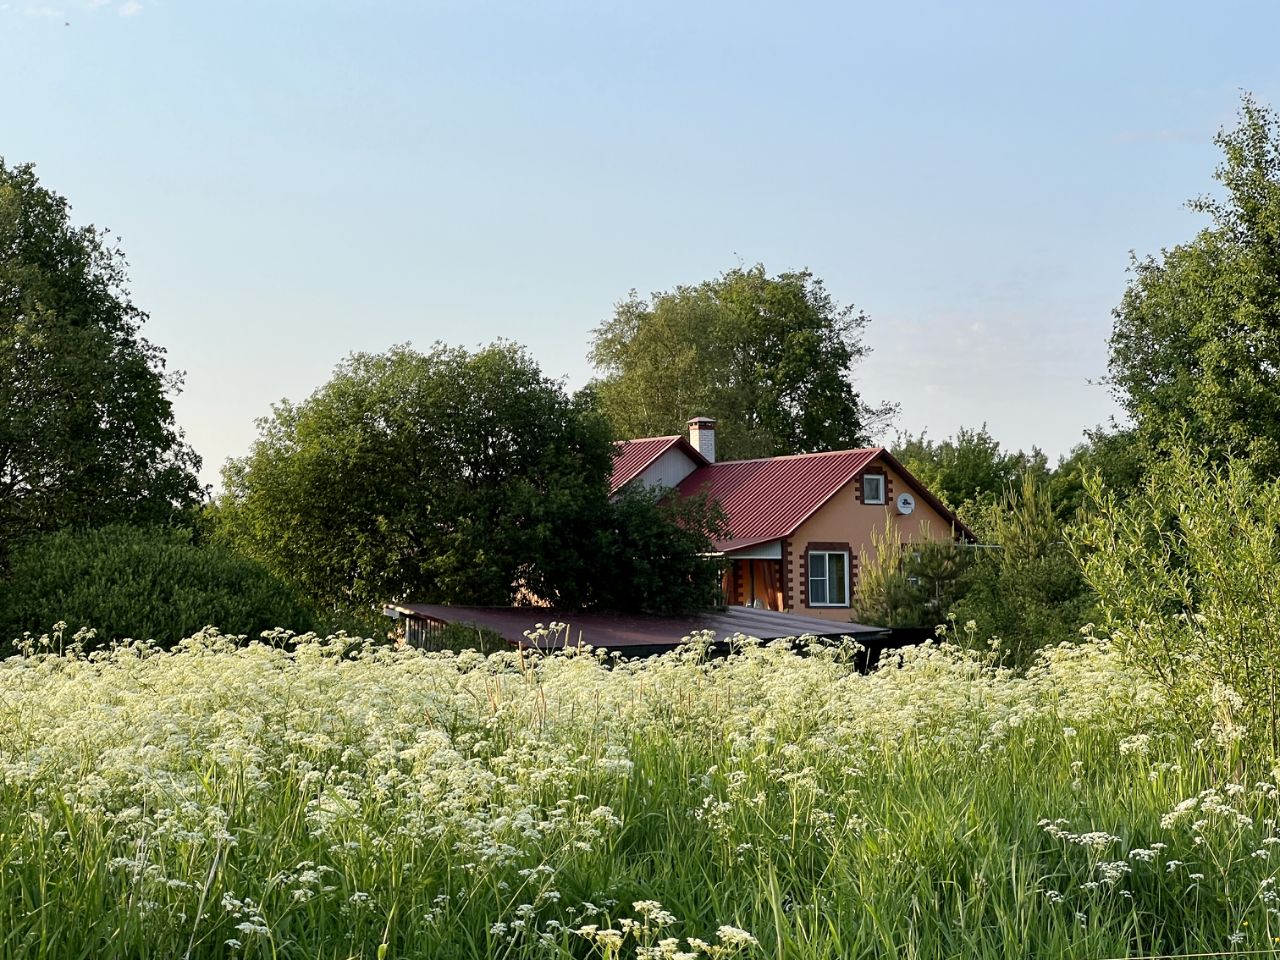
(946, 512)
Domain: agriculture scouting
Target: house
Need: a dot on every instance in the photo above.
(800, 527)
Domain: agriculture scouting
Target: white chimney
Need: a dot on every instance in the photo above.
(702, 434)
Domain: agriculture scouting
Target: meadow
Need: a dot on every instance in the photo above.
(332, 798)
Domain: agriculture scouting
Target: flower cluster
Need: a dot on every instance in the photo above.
(336, 797)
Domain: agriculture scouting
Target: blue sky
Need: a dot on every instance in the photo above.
(293, 181)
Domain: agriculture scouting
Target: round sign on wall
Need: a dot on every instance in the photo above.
(906, 503)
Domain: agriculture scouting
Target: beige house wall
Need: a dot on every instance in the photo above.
(846, 520)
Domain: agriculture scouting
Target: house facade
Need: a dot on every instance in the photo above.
(800, 527)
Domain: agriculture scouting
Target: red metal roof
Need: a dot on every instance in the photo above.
(632, 456)
(768, 499)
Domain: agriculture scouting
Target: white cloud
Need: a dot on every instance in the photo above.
(130, 9)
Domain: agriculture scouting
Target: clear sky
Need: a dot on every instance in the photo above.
(293, 181)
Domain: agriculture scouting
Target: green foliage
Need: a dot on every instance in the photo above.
(1115, 457)
(770, 358)
(86, 426)
(451, 477)
(150, 583)
(657, 557)
(1025, 586)
(1021, 583)
(1196, 342)
(1187, 572)
(970, 470)
(910, 585)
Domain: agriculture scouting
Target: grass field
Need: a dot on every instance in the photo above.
(231, 800)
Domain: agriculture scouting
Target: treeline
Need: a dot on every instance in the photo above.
(469, 476)
(444, 475)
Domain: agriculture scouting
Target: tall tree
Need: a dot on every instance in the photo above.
(439, 476)
(770, 358)
(452, 476)
(87, 434)
(1196, 340)
(1114, 455)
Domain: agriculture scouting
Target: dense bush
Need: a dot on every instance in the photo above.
(656, 554)
(910, 584)
(1022, 584)
(1027, 587)
(1188, 576)
(145, 583)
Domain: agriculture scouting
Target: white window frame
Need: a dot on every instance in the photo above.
(866, 497)
(825, 579)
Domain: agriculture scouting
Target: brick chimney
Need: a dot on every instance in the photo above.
(702, 434)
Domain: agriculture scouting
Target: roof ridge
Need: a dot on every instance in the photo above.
(670, 436)
(797, 456)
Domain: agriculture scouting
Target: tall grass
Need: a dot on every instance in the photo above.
(341, 800)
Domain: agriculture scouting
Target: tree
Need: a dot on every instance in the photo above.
(1025, 586)
(910, 585)
(1196, 339)
(656, 553)
(458, 477)
(1114, 456)
(1187, 571)
(770, 358)
(444, 476)
(970, 469)
(87, 434)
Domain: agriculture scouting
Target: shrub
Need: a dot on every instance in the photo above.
(912, 584)
(1188, 578)
(153, 583)
(1026, 587)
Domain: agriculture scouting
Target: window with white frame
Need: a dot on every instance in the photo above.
(873, 488)
(828, 578)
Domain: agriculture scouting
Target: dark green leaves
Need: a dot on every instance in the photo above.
(86, 425)
(444, 476)
(1197, 336)
(770, 358)
(152, 583)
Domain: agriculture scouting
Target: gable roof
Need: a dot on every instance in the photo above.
(631, 457)
(769, 499)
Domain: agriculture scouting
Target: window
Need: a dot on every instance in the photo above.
(873, 488)
(828, 579)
